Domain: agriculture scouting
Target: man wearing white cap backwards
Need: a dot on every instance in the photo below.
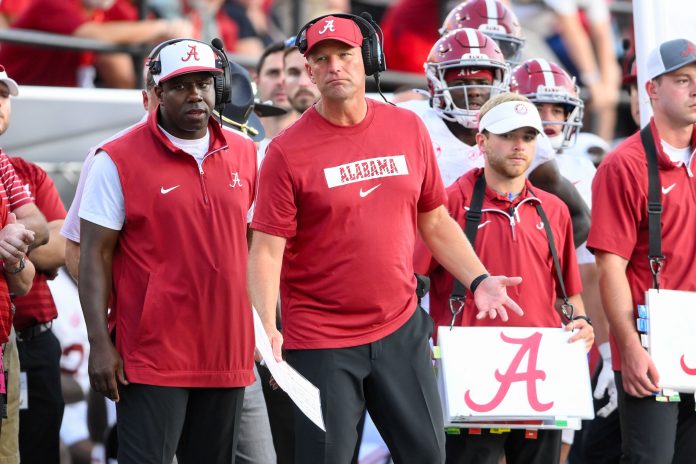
(651, 431)
(165, 233)
(510, 239)
(342, 194)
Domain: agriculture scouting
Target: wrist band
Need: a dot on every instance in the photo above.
(477, 281)
(589, 321)
(20, 267)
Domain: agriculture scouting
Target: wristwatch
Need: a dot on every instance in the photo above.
(22, 263)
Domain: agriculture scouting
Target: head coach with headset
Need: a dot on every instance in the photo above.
(165, 233)
(342, 194)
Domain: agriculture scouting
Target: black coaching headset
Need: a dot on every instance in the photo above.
(371, 48)
(222, 82)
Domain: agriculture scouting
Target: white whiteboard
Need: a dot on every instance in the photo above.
(512, 373)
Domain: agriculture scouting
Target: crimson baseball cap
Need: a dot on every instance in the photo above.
(670, 56)
(184, 57)
(333, 28)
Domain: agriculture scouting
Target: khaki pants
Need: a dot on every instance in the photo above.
(9, 438)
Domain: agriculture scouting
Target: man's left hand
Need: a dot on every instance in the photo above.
(491, 297)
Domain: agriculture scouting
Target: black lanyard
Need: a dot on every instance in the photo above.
(473, 219)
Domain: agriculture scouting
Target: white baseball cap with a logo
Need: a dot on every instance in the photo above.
(10, 83)
(184, 57)
(511, 115)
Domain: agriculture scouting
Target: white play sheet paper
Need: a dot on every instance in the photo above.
(305, 395)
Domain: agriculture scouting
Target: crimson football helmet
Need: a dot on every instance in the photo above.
(545, 82)
(492, 18)
(465, 54)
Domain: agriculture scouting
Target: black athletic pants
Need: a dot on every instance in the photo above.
(487, 448)
(198, 424)
(39, 424)
(393, 378)
(656, 433)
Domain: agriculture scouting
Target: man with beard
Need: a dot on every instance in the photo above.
(270, 85)
(302, 91)
(512, 242)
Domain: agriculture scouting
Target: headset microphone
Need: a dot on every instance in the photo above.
(217, 43)
(379, 37)
(223, 83)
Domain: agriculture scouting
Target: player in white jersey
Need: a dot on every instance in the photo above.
(464, 69)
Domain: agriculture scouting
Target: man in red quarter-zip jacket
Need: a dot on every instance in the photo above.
(167, 229)
(511, 239)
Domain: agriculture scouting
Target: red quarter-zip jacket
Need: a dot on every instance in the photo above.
(180, 307)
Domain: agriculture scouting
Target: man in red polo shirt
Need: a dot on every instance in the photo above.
(15, 199)
(651, 431)
(343, 192)
(164, 223)
(511, 238)
(39, 350)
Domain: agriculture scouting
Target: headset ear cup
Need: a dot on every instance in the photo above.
(367, 56)
(226, 88)
(301, 40)
(219, 82)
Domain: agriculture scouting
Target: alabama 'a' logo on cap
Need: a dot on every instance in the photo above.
(689, 50)
(328, 26)
(520, 109)
(192, 53)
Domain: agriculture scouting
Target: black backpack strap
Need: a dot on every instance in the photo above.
(473, 219)
(655, 257)
(567, 308)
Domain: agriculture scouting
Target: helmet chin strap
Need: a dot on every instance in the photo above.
(557, 141)
(470, 121)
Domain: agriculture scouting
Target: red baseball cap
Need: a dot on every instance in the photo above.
(333, 28)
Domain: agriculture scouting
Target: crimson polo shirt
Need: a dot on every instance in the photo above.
(37, 306)
(346, 198)
(12, 196)
(511, 240)
(620, 218)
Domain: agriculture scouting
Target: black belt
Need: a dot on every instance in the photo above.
(27, 334)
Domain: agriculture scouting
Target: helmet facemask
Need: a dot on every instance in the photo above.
(574, 109)
(461, 103)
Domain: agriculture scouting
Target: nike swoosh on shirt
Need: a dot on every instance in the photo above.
(666, 190)
(480, 226)
(367, 192)
(165, 191)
